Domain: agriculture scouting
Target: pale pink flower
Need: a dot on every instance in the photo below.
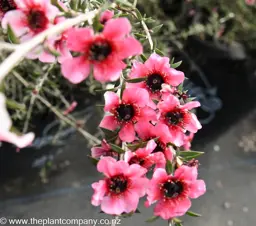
(29, 19)
(127, 112)
(119, 192)
(6, 124)
(173, 192)
(147, 131)
(104, 51)
(105, 16)
(5, 6)
(157, 71)
(178, 118)
(57, 44)
(250, 2)
(104, 150)
(145, 158)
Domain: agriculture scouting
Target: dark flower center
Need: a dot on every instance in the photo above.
(154, 82)
(99, 50)
(174, 117)
(7, 5)
(37, 20)
(136, 160)
(118, 184)
(172, 189)
(125, 112)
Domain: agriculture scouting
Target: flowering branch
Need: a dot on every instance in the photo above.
(22, 49)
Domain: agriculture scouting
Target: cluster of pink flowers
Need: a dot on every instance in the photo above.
(151, 114)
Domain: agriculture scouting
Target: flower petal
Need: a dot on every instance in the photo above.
(17, 20)
(186, 173)
(192, 124)
(129, 47)
(100, 189)
(117, 28)
(190, 105)
(137, 96)
(109, 122)
(111, 101)
(174, 77)
(75, 69)
(168, 104)
(78, 39)
(19, 141)
(197, 188)
(127, 133)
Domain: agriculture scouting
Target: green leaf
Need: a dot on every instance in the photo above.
(93, 160)
(157, 28)
(178, 224)
(12, 104)
(193, 214)
(136, 80)
(116, 148)
(143, 57)
(175, 65)
(138, 14)
(11, 35)
(152, 219)
(188, 155)
(108, 133)
(74, 4)
(159, 52)
(169, 167)
(134, 147)
(177, 220)
(56, 3)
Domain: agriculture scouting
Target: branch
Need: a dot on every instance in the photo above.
(8, 46)
(23, 49)
(148, 34)
(87, 135)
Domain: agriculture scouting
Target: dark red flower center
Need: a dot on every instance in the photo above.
(154, 82)
(99, 50)
(37, 20)
(172, 189)
(7, 5)
(117, 184)
(125, 112)
(136, 160)
(174, 117)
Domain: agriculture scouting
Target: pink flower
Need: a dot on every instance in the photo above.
(145, 158)
(31, 17)
(172, 193)
(126, 112)
(119, 192)
(104, 150)
(147, 131)
(104, 51)
(57, 44)
(250, 2)
(6, 123)
(187, 140)
(5, 6)
(178, 118)
(105, 16)
(157, 71)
